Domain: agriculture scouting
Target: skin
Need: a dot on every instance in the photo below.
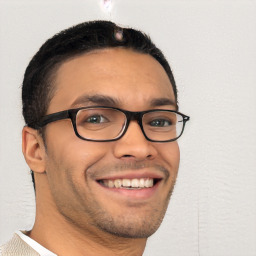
(74, 214)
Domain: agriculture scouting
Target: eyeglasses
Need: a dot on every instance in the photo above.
(109, 124)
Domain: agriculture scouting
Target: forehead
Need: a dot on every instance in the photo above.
(131, 78)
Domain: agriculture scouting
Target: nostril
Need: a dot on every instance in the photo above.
(131, 156)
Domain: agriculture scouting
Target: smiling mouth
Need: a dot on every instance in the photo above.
(141, 183)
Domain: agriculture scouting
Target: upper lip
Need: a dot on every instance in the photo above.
(133, 175)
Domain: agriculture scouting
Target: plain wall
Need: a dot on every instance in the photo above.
(211, 46)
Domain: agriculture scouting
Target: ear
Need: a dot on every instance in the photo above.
(33, 149)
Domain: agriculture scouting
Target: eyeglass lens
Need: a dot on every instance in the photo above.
(107, 124)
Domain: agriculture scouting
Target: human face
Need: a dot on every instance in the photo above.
(80, 172)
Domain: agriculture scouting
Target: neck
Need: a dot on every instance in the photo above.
(59, 235)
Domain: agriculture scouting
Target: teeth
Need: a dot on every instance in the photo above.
(142, 182)
(129, 183)
(126, 183)
(135, 183)
(148, 183)
(118, 183)
(111, 184)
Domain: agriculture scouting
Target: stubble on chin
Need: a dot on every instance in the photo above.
(132, 225)
(136, 223)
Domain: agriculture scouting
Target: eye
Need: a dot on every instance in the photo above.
(160, 123)
(96, 119)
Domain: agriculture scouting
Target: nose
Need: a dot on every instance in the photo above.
(133, 145)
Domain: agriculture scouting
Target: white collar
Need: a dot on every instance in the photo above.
(35, 245)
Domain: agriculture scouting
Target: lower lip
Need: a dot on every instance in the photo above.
(143, 193)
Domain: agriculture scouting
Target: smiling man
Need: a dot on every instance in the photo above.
(102, 123)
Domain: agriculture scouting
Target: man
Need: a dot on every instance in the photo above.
(100, 106)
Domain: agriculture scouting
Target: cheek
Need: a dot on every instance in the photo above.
(68, 151)
(67, 163)
(170, 153)
(68, 158)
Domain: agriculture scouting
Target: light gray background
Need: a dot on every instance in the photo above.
(211, 46)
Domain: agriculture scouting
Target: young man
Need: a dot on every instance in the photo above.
(102, 123)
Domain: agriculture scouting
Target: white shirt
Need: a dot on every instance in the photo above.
(35, 245)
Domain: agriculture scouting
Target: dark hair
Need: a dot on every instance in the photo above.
(38, 88)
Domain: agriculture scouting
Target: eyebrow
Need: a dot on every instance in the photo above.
(162, 102)
(97, 99)
(108, 101)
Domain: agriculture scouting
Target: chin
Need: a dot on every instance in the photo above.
(132, 225)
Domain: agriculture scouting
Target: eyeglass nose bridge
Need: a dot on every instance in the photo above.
(133, 116)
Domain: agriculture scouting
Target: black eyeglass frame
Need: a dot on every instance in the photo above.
(72, 113)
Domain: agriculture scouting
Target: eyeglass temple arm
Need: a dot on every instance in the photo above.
(53, 117)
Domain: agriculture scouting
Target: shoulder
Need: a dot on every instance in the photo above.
(17, 247)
